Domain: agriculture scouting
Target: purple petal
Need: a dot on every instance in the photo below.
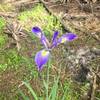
(42, 58)
(71, 36)
(66, 37)
(45, 41)
(37, 31)
(54, 39)
(55, 36)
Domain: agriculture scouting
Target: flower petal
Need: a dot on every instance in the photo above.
(54, 39)
(42, 58)
(66, 37)
(37, 31)
(71, 36)
(55, 36)
(45, 41)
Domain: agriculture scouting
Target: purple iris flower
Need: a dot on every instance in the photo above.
(43, 56)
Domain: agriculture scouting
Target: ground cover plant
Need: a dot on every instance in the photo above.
(49, 50)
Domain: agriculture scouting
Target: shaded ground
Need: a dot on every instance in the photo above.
(78, 59)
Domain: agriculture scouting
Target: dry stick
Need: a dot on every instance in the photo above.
(25, 2)
(94, 85)
(22, 2)
(80, 4)
(14, 31)
(95, 36)
(8, 14)
(74, 16)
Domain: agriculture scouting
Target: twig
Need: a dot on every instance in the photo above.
(94, 85)
(75, 16)
(25, 2)
(95, 36)
(14, 30)
(8, 14)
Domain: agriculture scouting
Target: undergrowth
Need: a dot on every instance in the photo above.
(6, 7)
(2, 40)
(12, 59)
(38, 16)
(9, 59)
(2, 24)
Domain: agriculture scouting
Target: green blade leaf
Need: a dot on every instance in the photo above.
(31, 90)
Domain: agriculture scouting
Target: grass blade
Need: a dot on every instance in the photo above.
(23, 95)
(54, 90)
(31, 90)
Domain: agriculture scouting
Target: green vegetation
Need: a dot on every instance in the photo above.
(2, 24)
(38, 16)
(2, 40)
(9, 59)
(13, 60)
(3, 37)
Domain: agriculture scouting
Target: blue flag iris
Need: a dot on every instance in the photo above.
(42, 57)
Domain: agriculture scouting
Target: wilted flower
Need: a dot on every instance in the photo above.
(42, 56)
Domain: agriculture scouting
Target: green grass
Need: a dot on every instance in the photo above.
(2, 24)
(38, 16)
(2, 40)
(11, 59)
(3, 37)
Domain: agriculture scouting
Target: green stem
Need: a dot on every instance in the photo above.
(47, 90)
